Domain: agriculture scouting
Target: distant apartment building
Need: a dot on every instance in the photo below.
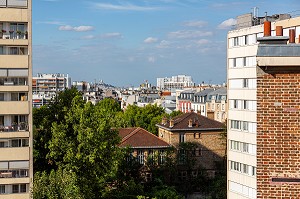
(199, 101)
(175, 82)
(184, 100)
(16, 171)
(216, 104)
(46, 86)
(263, 118)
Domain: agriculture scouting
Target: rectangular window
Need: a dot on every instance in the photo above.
(2, 189)
(245, 83)
(162, 157)
(15, 188)
(181, 137)
(141, 156)
(23, 188)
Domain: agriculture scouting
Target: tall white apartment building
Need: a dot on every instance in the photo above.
(175, 82)
(46, 86)
(16, 171)
(242, 100)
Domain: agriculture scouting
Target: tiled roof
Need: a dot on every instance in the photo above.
(136, 137)
(199, 122)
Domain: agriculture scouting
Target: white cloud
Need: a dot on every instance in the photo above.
(150, 40)
(203, 41)
(198, 24)
(151, 59)
(189, 34)
(164, 44)
(88, 37)
(227, 24)
(76, 28)
(112, 35)
(125, 7)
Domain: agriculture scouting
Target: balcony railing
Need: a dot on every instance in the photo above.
(19, 173)
(14, 127)
(13, 3)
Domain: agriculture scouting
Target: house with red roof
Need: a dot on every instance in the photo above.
(143, 144)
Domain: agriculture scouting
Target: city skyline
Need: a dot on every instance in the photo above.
(127, 42)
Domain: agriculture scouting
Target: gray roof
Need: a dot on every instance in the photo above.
(220, 91)
(204, 92)
(275, 50)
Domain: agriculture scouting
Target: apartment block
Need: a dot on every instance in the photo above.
(251, 149)
(175, 82)
(278, 115)
(16, 171)
(46, 86)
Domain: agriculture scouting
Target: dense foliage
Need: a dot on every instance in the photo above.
(76, 153)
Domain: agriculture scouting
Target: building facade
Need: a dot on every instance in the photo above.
(244, 114)
(46, 86)
(175, 82)
(16, 171)
(195, 128)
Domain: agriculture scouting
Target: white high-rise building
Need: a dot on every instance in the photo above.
(175, 82)
(242, 102)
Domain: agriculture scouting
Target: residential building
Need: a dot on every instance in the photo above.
(184, 100)
(16, 171)
(46, 86)
(249, 153)
(175, 82)
(199, 101)
(144, 144)
(278, 113)
(205, 132)
(216, 104)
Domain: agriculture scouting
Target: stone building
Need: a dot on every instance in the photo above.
(204, 132)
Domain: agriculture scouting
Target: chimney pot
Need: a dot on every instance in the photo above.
(292, 36)
(267, 29)
(171, 123)
(279, 31)
(190, 123)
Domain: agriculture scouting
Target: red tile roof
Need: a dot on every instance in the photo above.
(199, 122)
(136, 137)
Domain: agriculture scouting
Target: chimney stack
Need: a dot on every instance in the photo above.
(267, 29)
(292, 36)
(171, 123)
(279, 31)
(190, 123)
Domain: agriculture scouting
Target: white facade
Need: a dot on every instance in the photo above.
(175, 82)
(241, 132)
(242, 107)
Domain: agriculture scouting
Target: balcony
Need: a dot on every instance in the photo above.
(15, 154)
(14, 107)
(14, 127)
(19, 173)
(14, 61)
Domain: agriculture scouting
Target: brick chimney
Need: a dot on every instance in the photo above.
(190, 123)
(171, 123)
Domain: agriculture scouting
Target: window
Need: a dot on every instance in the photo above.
(246, 40)
(141, 156)
(162, 157)
(235, 41)
(245, 83)
(181, 137)
(15, 188)
(2, 189)
(23, 188)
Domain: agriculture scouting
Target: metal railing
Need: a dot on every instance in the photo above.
(14, 127)
(13, 3)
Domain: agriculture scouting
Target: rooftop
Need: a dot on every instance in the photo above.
(136, 137)
(199, 123)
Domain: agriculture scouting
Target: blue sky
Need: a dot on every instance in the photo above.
(125, 42)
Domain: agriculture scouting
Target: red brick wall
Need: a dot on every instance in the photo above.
(278, 133)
